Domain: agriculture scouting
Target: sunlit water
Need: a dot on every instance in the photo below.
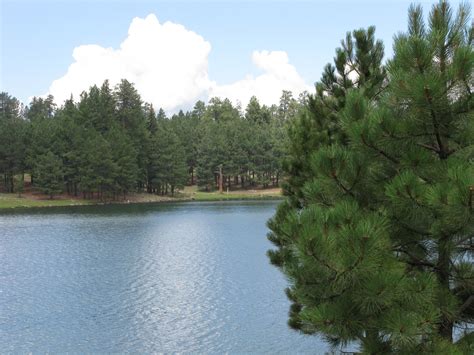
(188, 277)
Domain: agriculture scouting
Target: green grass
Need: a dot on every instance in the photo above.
(13, 201)
(196, 195)
(215, 196)
(190, 193)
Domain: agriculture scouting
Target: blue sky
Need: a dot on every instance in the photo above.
(38, 37)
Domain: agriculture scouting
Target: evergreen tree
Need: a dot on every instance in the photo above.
(90, 108)
(124, 157)
(206, 163)
(152, 124)
(98, 170)
(185, 126)
(131, 117)
(20, 185)
(161, 115)
(107, 112)
(49, 174)
(288, 107)
(43, 136)
(72, 137)
(171, 170)
(13, 133)
(376, 237)
(9, 107)
(357, 65)
(40, 108)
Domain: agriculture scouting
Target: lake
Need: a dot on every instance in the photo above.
(189, 277)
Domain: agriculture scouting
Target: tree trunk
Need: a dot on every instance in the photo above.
(11, 183)
(220, 179)
(445, 325)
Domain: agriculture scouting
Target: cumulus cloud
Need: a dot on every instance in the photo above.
(169, 66)
(278, 75)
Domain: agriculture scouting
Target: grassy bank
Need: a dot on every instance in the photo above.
(189, 193)
(13, 201)
(239, 195)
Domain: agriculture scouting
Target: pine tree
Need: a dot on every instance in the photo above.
(185, 127)
(132, 119)
(98, 170)
(107, 108)
(40, 109)
(20, 185)
(49, 174)
(177, 168)
(124, 157)
(376, 238)
(152, 124)
(173, 170)
(288, 106)
(206, 163)
(71, 137)
(357, 65)
(13, 133)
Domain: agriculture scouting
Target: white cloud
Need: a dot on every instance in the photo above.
(278, 75)
(169, 66)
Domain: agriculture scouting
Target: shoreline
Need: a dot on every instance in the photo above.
(11, 202)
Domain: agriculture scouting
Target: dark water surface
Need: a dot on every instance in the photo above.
(141, 278)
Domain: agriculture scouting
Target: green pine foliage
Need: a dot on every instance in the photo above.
(124, 156)
(111, 143)
(49, 174)
(171, 169)
(13, 136)
(206, 165)
(376, 234)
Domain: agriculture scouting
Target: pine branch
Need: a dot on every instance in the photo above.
(427, 146)
(356, 180)
(442, 152)
(416, 261)
(381, 152)
(466, 304)
(323, 262)
(411, 229)
(341, 185)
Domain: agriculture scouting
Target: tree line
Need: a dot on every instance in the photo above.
(376, 233)
(110, 143)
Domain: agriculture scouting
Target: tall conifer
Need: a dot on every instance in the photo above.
(376, 237)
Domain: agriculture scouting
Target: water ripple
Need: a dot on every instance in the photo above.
(176, 278)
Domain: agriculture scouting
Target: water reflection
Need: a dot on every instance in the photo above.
(183, 277)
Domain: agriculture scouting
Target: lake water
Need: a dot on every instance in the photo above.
(190, 277)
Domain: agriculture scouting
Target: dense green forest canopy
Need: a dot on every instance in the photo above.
(110, 143)
(376, 234)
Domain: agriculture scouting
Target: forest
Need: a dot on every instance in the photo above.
(110, 143)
